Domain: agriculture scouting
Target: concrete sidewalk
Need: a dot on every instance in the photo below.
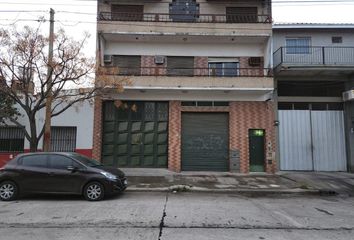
(340, 183)
(162, 180)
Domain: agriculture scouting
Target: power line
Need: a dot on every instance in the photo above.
(300, 2)
(22, 11)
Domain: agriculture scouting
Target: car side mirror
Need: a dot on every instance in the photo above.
(72, 168)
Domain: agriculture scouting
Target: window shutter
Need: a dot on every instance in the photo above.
(128, 65)
(127, 12)
(241, 14)
(180, 66)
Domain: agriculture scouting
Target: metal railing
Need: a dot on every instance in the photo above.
(194, 18)
(314, 56)
(190, 72)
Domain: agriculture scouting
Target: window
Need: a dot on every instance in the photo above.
(61, 162)
(39, 160)
(128, 65)
(204, 104)
(337, 40)
(285, 106)
(127, 12)
(299, 45)
(241, 14)
(224, 69)
(301, 106)
(63, 139)
(12, 139)
(180, 66)
(184, 10)
(335, 106)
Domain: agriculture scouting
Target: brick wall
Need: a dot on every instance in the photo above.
(174, 136)
(247, 70)
(242, 117)
(201, 66)
(97, 129)
(252, 115)
(149, 68)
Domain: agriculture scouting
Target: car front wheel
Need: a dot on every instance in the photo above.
(94, 191)
(8, 191)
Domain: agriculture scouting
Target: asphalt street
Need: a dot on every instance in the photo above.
(134, 215)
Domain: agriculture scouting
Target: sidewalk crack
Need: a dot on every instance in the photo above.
(162, 223)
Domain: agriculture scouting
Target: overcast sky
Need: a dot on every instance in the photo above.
(83, 16)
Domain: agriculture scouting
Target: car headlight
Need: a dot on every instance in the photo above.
(109, 175)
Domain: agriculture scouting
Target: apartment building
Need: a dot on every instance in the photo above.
(200, 92)
(314, 74)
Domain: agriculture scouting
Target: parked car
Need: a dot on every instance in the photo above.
(68, 173)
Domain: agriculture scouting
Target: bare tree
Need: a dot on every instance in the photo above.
(24, 64)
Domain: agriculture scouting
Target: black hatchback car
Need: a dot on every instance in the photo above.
(66, 173)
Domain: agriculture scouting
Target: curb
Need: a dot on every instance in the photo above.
(262, 192)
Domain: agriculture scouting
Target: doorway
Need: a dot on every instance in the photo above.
(256, 149)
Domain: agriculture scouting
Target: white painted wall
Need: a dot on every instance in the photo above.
(318, 37)
(79, 115)
(185, 49)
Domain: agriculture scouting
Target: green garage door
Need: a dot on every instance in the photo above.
(135, 134)
(205, 142)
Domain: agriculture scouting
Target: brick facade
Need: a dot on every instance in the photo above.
(201, 66)
(252, 115)
(149, 68)
(97, 129)
(174, 136)
(247, 70)
(243, 116)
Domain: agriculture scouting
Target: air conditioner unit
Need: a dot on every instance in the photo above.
(348, 95)
(254, 61)
(107, 58)
(159, 60)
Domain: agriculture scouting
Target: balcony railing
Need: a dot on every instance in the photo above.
(189, 72)
(195, 18)
(314, 56)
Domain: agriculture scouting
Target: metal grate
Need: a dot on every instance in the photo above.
(12, 139)
(63, 139)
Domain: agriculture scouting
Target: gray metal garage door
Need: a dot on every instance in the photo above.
(312, 140)
(205, 141)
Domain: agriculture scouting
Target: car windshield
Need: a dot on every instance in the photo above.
(86, 161)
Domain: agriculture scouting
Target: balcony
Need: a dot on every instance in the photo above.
(186, 18)
(190, 72)
(193, 25)
(193, 79)
(314, 61)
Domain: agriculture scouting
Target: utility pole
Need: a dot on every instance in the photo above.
(48, 105)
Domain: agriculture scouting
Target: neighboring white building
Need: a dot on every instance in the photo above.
(71, 131)
(314, 69)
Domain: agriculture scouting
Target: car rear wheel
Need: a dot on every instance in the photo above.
(8, 191)
(94, 191)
